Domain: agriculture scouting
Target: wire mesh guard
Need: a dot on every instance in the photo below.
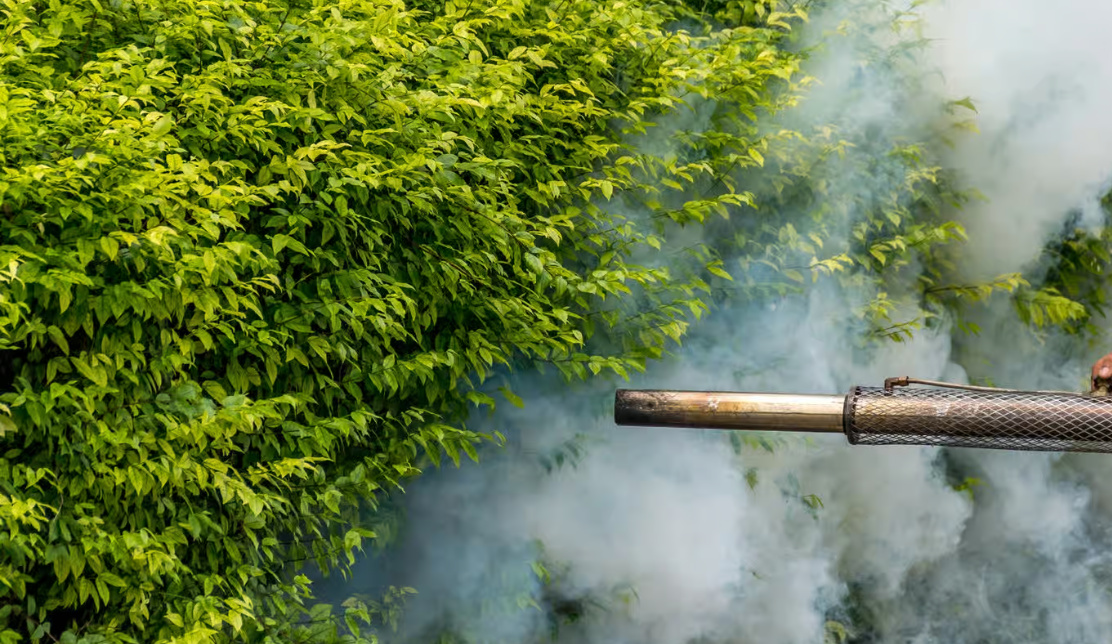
(1014, 421)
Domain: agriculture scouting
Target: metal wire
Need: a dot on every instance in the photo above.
(1009, 419)
(904, 381)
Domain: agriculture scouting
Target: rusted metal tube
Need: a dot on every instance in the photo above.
(947, 414)
(730, 410)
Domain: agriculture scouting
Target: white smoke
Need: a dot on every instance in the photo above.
(676, 536)
(1042, 83)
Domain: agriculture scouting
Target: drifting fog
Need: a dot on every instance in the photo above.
(1042, 85)
(667, 537)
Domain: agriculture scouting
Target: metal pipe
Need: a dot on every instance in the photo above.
(730, 410)
(955, 415)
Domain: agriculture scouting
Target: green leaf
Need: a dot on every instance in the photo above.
(716, 269)
(7, 425)
(514, 399)
(162, 125)
(966, 102)
(110, 246)
(59, 338)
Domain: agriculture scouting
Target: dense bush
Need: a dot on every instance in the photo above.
(257, 259)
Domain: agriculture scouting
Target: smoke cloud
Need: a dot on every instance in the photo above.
(1043, 87)
(672, 537)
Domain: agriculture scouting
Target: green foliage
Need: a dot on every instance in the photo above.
(568, 453)
(745, 12)
(258, 259)
(968, 485)
(883, 180)
(1072, 287)
(835, 633)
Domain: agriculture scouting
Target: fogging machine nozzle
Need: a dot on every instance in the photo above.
(944, 414)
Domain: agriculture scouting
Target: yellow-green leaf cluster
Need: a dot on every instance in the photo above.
(257, 260)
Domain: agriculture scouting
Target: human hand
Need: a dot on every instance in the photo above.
(1101, 383)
